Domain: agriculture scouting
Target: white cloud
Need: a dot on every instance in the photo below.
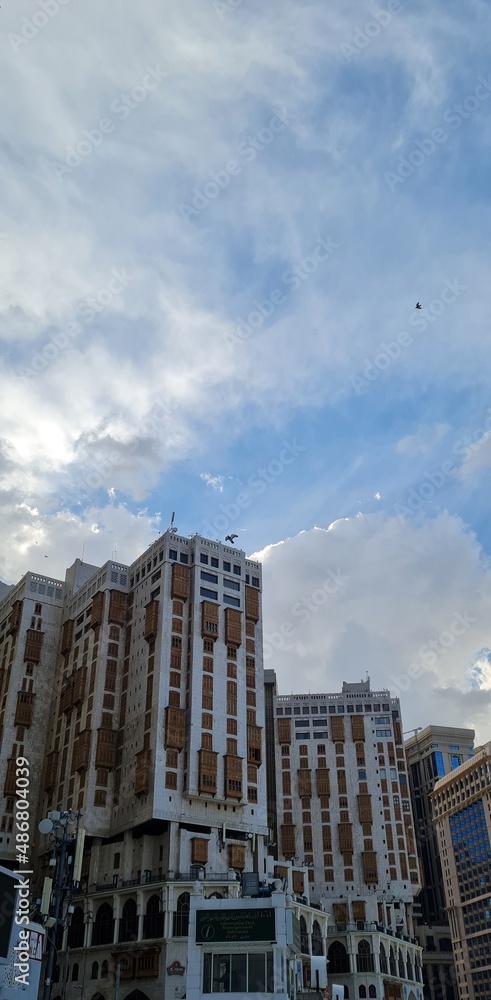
(423, 441)
(404, 590)
(216, 482)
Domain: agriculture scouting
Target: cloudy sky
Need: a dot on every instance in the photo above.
(217, 218)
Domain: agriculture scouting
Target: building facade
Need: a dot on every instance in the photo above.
(432, 753)
(461, 803)
(156, 735)
(344, 813)
(30, 619)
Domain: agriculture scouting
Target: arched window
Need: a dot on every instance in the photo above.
(181, 916)
(317, 942)
(104, 969)
(392, 963)
(383, 959)
(364, 958)
(338, 958)
(304, 937)
(75, 973)
(409, 967)
(76, 929)
(372, 992)
(402, 971)
(103, 928)
(362, 992)
(94, 973)
(128, 925)
(153, 921)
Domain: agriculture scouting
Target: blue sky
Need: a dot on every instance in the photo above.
(167, 170)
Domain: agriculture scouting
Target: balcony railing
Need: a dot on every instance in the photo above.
(150, 877)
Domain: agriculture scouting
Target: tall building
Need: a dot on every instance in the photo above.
(344, 812)
(156, 735)
(30, 618)
(431, 754)
(461, 803)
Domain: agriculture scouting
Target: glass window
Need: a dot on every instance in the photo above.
(234, 601)
(231, 584)
(210, 594)
(203, 558)
(214, 562)
(255, 581)
(209, 577)
(172, 555)
(351, 708)
(303, 736)
(227, 567)
(288, 710)
(184, 558)
(376, 708)
(314, 710)
(237, 569)
(368, 708)
(279, 711)
(296, 710)
(340, 709)
(305, 710)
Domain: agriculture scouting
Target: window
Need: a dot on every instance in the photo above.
(184, 558)
(172, 555)
(227, 567)
(234, 601)
(305, 710)
(203, 558)
(231, 584)
(238, 973)
(383, 732)
(212, 595)
(209, 577)
(255, 581)
(214, 562)
(237, 569)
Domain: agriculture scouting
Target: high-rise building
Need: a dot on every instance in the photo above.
(461, 803)
(432, 753)
(344, 812)
(156, 735)
(30, 618)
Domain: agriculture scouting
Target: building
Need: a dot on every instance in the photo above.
(461, 803)
(156, 735)
(30, 619)
(344, 813)
(431, 754)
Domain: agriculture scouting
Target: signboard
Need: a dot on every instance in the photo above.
(36, 941)
(227, 926)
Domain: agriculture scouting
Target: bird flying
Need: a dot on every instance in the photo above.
(230, 538)
(418, 305)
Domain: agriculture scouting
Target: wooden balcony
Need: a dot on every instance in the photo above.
(284, 731)
(236, 856)
(81, 751)
(322, 781)
(97, 609)
(66, 696)
(232, 776)
(345, 832)
(105, 755)
(15, 617)
(365, 808)
(51, 770)
(142, 772)
(9, 787)
(233, 627)
(207, 772)
(174, 728)
(34, 642)
(304, 783)
(357, 728)
(151, 621)
(199, 851)
(209, 620)
(79, 685)
(67, 636)
(118, 602)
(252, 604)
(288, 839)
(24, 708)
(180, 582)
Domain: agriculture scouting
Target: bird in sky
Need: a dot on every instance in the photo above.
(418, 305)
(230, 538)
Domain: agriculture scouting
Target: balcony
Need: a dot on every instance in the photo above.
(154, 877)
(24, 708)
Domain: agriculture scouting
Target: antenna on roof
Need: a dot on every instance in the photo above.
(171, 527)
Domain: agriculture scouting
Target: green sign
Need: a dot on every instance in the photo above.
(227, 926)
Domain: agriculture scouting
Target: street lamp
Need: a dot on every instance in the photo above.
(66, 865)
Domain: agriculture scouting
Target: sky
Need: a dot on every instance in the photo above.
(217, 218)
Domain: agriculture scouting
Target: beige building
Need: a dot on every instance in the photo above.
(156, 735)
(461, 804)
(344, 813)
(30, 618)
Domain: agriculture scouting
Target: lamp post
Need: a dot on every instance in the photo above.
(66, 867)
